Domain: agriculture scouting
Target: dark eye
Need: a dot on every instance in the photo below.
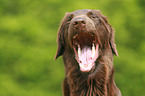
(92, 16)
(69, 18)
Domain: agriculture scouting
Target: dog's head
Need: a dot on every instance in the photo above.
(88, 34)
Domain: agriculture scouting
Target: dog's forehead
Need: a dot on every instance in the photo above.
(81, 12)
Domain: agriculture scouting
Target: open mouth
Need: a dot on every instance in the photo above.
(86, 47)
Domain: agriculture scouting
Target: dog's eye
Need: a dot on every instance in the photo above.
(70, 17)
(92, 16)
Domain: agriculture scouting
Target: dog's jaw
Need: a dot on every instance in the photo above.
(86, 48)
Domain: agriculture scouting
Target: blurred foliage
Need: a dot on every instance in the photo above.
(28, 30)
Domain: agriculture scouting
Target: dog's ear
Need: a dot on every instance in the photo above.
(110, 31)
(111, 42)
(60, 37)
(111, 38)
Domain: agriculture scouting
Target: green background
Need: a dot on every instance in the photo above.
(28, 30)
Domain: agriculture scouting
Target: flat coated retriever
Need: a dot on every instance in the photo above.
(86, 42)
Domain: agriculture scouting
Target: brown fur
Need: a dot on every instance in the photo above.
(99, 81)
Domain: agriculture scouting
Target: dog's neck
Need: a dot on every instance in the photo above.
(88, 84)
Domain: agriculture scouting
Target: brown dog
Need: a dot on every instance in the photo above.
(86, 41)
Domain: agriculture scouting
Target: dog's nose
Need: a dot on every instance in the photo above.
(79, 22)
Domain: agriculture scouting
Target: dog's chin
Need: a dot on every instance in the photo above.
(86, 48)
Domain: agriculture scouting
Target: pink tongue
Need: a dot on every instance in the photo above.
(85, 55)
(86, 58)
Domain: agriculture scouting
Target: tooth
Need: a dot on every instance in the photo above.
(93, 50)
(79, 51)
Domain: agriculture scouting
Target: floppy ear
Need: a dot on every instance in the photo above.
(111, 38)
(60, 38)
(111, 42)
(110, 31)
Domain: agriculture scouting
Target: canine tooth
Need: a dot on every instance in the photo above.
(79, 51)
(93, 50)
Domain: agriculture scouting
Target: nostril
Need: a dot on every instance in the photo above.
(79, 21)
(75, 23)
(83, 22)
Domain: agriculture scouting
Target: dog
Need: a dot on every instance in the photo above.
(86, 42)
